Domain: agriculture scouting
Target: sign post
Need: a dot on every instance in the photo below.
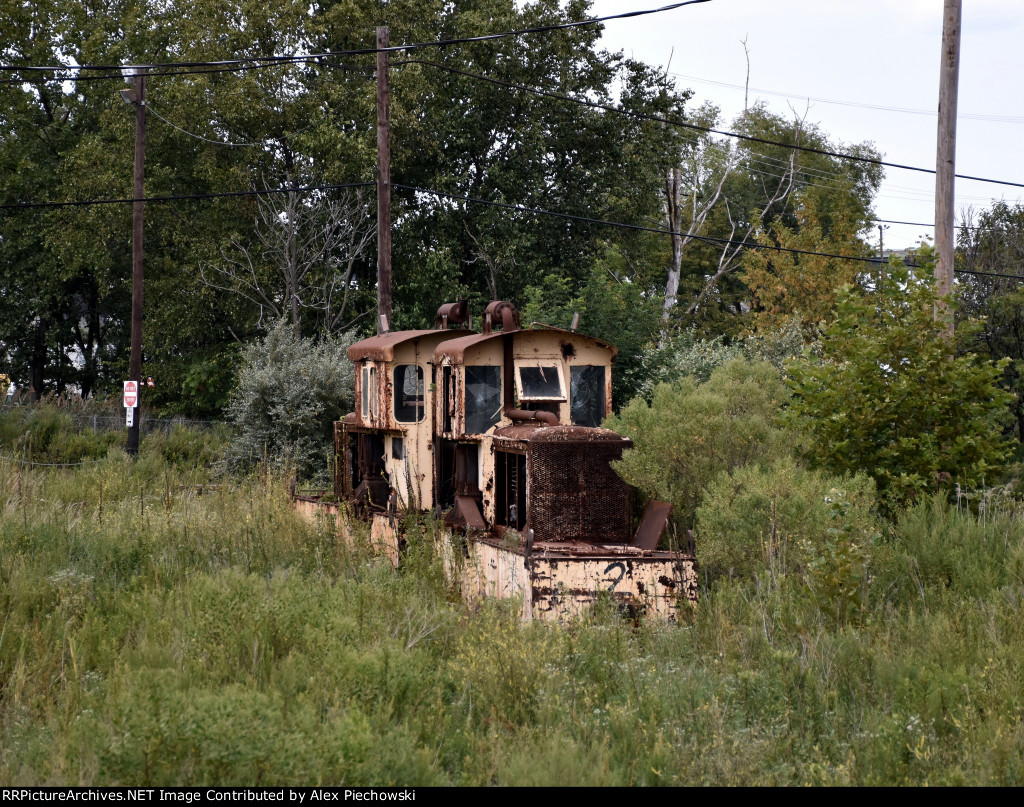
(131, 401)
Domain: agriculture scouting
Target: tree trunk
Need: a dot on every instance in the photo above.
(673, 217)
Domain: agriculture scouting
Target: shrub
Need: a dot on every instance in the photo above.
(45, 433)
(691, 432)
(888, 400)
(784, 520)
(290, 391)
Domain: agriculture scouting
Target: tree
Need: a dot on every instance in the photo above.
(993, 241)
(799, 286)
(611, 307)
(290, 391)
(689, 432)
(304, 258)
(887, 400)
(758, 194)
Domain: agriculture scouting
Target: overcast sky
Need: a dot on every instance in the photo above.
(850, 58)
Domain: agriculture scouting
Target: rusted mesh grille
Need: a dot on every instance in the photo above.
(574, 495)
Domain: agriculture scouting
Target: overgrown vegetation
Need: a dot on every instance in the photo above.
(691, 432)
(153, 633)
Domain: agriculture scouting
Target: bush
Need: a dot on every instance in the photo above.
(290, 391)
(783, 521)
(45, 433)
(691, 432)
(888, 400)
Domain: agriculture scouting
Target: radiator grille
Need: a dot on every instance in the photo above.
(574, 495)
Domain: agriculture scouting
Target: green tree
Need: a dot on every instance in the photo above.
(611, 308)
(887, 399)
(689, 432)
(787, 286)
(993, 241)
(766, 186)
(290, 391)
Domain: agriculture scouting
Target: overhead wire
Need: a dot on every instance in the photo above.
(627, 226)
(441, 43)
(697, 127)
(198, 136)
(661, 231)
(881, 107)
(255, 62)
(182, 197)
(477, 200)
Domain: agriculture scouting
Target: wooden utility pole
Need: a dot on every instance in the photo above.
(383, 183)
(135, 357)
(945, 156)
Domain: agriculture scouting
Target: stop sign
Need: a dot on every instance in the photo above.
(131, 394)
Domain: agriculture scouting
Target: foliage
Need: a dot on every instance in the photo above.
(993, 241)
(780, 521)
(787, 286)
(189, 639)
(65, 273)
(687, 354)
(290, 391)
(183, 447)
(47, 432)
(764, 192)
(887, 399)
(689, 433)
(611, 308)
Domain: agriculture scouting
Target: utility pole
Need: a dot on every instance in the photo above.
(945, 157)
(137, 98)
(383, 183)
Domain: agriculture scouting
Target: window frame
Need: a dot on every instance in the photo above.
(421, 406)
(538, 363)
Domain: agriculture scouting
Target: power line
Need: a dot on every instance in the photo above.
(694, 126)
(197, 136)
(658, 231)
(441, 43)
(119, 77)
(188, 196)
(931, 112)
(475, 200)
(625, 226)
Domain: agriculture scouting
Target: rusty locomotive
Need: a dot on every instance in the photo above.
(500, 431)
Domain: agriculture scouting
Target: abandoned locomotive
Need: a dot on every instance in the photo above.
(500, 431)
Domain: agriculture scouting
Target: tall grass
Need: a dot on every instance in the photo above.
(154, 630)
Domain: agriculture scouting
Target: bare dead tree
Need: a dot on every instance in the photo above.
(302, 255)
(495, 264)
(731, 252)
(689, 212)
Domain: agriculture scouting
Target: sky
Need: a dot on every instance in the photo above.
(860, 64)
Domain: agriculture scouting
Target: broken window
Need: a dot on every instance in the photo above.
(587, 394)
(446, 400)
(540, 383)
(510, 489)
(483, 398)
(369, 402)
(408, 392)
